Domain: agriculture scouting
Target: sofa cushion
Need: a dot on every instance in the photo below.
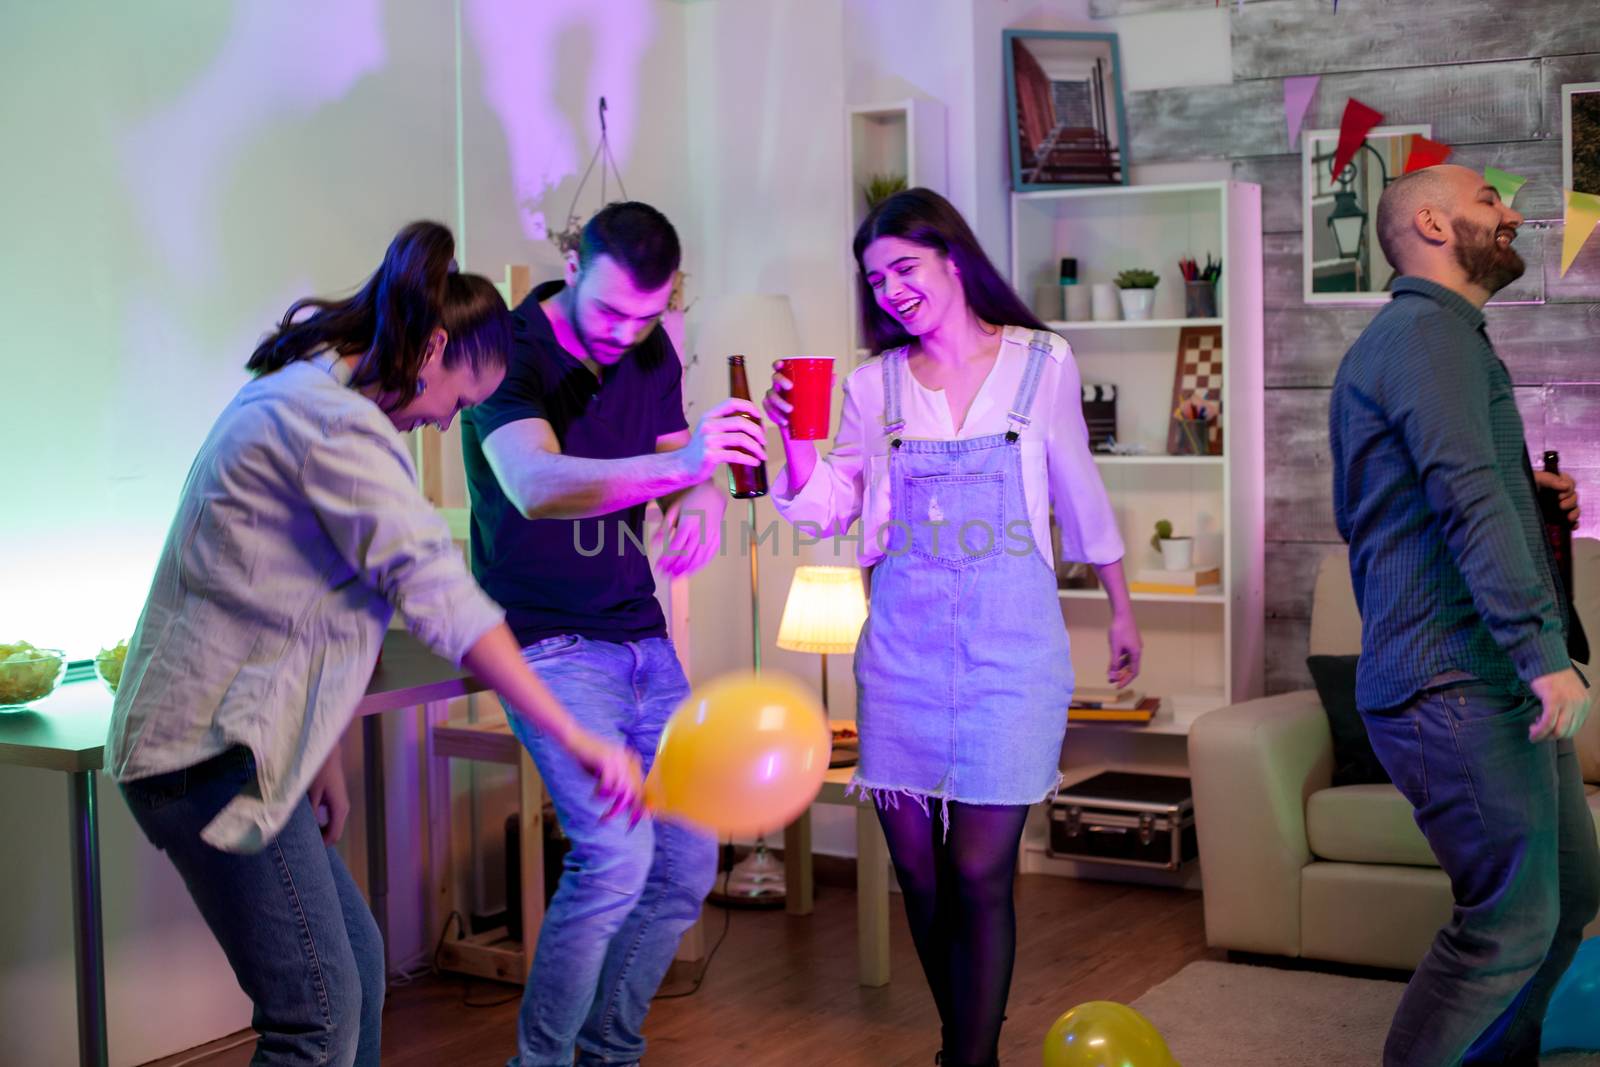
(1373, 824)
(1365, 824)
(1354, 762)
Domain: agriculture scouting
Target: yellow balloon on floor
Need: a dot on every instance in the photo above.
(1103, 1033)
(744, 754)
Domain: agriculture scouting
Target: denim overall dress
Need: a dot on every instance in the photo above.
(963, 669)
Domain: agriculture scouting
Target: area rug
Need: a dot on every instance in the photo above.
(1226, 1015)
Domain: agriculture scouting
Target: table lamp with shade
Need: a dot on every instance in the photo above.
(824, 613)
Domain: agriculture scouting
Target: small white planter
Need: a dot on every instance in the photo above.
(1177, 553)
(1136, 303)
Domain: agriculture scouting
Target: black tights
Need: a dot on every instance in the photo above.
(958, 890)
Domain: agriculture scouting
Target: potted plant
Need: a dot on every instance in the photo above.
(1177, 553)
(1138, 293)
(881, 187)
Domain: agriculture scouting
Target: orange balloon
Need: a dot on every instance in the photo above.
(744, 754)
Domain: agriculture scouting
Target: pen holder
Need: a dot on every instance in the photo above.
(1200, 300)
(1192, 437)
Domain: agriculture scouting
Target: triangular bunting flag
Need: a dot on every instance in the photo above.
(1425, 153)
(1505, 184)
(1297, 94)
(1358, 121)
(1583, 212)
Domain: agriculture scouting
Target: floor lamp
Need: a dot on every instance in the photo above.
(759, 326)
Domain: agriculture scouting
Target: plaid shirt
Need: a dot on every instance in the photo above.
(1433, 489)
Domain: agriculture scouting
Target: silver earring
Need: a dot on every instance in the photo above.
(422, 387)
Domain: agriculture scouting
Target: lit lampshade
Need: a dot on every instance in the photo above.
(825, 610)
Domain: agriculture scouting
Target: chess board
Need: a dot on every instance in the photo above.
(1199, 368)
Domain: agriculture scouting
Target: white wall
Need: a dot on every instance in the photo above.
(176, 175)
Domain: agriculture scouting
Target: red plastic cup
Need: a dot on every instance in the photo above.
(811, 392)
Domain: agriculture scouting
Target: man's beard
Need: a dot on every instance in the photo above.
(1487, 264)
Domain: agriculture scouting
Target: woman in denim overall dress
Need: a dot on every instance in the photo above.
(951, 449)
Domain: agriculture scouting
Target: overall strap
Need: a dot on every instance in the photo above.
(893, 419)
(1018, 417)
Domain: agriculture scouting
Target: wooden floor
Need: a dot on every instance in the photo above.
(782, 990)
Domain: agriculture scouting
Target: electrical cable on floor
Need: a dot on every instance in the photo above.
(466, 984)
(466, 979)
(727, 921)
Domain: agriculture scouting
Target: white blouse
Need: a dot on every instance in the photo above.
(852, 481)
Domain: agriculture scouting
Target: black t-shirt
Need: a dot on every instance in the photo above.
(549, 583)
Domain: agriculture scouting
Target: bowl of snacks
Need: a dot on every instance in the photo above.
(108, 664)
(846, 743)
(28, 674)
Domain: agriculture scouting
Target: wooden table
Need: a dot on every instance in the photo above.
(872, 876)
(67, 732)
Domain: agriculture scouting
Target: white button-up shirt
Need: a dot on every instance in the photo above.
(300, 531)
(852, 481)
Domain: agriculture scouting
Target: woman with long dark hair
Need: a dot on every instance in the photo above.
(953, 446)
(299, 532)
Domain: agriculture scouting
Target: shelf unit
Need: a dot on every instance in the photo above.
(902, 137)
(1203, 651)
(1066, 329)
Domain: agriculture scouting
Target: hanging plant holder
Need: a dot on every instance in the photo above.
(566, 239)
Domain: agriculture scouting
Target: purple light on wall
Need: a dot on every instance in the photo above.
(529, 54)
(280, 57)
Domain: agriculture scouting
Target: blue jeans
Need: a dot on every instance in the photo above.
(626, 896)
(1508, 822)
(289, 918)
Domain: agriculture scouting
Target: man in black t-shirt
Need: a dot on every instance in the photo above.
(562, 460)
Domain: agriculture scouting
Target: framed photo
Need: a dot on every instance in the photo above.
(1580, 137)
(1064, 99)
(1342, 261)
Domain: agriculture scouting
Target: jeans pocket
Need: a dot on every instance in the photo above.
(1397, 742)
(157, 791)
(1487, 705)
(232, 770)
(550, 647)
(955, 519)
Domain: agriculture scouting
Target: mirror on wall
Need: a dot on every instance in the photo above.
(1343, 263)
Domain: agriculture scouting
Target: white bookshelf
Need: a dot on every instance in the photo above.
(900, 137)
(1203, 651)
(1104, 460)
(1067, 329)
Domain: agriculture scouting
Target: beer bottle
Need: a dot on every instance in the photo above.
(744, 482)
(1557, 531)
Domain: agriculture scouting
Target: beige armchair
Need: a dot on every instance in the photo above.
(1295, 867)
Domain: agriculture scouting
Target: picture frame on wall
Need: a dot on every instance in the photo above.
(1068, 127)
(1580, 137)
(1342, 262)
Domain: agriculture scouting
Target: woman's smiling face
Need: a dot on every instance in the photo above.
(915, 285)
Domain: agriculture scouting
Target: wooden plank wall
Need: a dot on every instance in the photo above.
(1487, 75)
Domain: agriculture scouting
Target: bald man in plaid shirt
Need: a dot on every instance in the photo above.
(1465, 681)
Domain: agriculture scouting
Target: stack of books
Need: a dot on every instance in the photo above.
(1191, 582)
(1090, 704)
